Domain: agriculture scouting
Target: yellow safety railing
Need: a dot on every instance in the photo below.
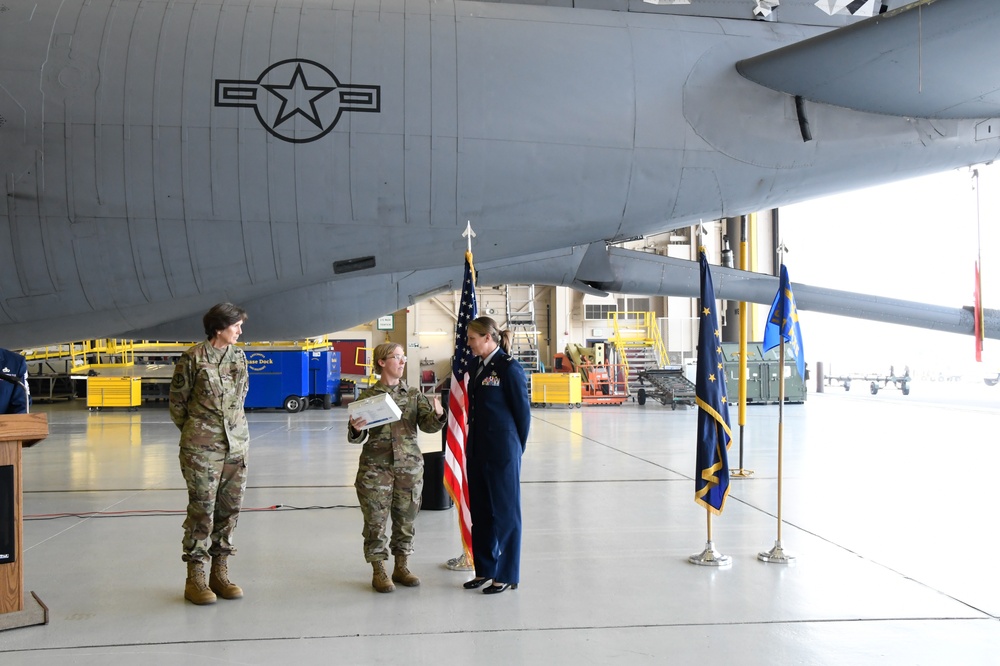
(636, 329)
(86, 355)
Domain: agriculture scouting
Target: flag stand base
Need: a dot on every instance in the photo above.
(710, 557)
(741, 472)
(776, 555)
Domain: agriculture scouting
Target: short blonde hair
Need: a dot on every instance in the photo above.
(382, 352)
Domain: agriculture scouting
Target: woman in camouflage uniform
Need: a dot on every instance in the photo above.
(391, 470)
(209, 386)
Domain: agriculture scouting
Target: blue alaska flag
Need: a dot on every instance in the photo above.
(783, 320)
(711, 484)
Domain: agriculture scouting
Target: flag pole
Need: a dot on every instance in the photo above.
(455, 478)
(710, 557)
(777, 554)
(744, 323)
(714, 435)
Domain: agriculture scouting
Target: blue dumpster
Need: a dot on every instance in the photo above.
(324, 378)
(278, 379)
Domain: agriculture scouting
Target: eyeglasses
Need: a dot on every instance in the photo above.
(401, 359)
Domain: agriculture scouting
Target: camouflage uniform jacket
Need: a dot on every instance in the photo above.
(395, 444)
(206, 398)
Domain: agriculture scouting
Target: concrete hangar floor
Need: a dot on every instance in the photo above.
(888, 506)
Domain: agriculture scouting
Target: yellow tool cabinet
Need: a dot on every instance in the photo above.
(556, 388)
(114, 392)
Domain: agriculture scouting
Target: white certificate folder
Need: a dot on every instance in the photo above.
(377, 410)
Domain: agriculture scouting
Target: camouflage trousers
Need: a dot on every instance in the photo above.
(385, 491)
(216, 483)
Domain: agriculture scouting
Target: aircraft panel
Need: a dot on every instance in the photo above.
(699, 188)
(443, 84)
(444, 182)
(418, 78)
(168, 72)
(240, 159)
(416, 166)
(377, 58)
(259, 251)
(72, 67)
(81, 149)
(139, 168)
(204, 63)
(377, 178)
(444, 119)
(140, 63)
(173, 241)
(315, 172)
(16, 146)
(583, 96)
(8, 263)
(185, 164)
(602, 176)
(281, 199)
(337, 181)
(111, 92)
(417, 126)
(218, 253)
(247, 31)
(654, 183)
(103, 256)
(285, 237)
(109, 170)
(169, 173)
(150, 274)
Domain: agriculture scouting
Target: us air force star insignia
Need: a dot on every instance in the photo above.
(297, 100)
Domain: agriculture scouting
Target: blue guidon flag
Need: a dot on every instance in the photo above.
(783, 320)
(711, 484)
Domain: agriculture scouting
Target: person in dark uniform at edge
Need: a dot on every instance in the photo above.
(499, 418)
(13, 396)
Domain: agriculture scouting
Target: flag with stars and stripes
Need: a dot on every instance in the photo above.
(458, 408)
(711, 484)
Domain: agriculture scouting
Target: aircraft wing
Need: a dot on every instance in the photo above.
(929, 59)
(593, 268)
(634, 272)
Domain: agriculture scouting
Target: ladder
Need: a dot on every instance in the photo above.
(520, 310)
(637, 343)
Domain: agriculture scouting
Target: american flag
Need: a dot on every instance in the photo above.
(458, 408)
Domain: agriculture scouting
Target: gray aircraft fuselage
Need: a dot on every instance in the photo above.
(318, 162)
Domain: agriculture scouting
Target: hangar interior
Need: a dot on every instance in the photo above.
(543, 320)
(641, 331)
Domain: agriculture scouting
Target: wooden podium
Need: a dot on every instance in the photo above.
(16, 431)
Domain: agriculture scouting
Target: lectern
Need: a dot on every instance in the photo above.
(16, 431)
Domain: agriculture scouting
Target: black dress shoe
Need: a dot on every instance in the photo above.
(475, 582)
(497, 588)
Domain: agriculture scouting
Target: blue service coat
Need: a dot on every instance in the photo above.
(499, 418)
(13, 399)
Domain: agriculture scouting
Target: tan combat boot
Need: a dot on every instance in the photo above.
(402, 575)
(219, 581)
(380, 579)
(195, 589)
